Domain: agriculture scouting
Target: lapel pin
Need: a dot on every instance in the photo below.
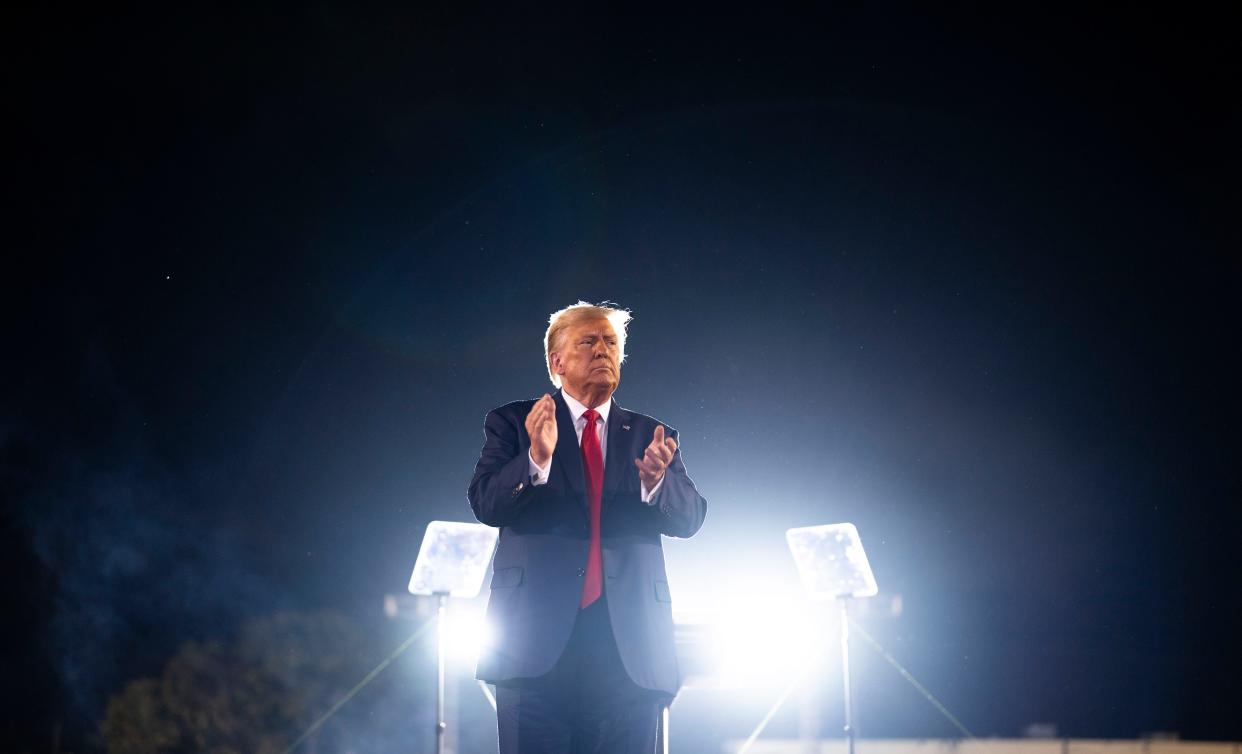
(626, 427)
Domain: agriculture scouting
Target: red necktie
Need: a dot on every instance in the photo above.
(593, 472)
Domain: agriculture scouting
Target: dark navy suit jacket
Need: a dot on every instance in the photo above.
(544, 534)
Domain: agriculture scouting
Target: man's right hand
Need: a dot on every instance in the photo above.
(541, 426)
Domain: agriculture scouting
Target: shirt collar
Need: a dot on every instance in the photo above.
(576, 409)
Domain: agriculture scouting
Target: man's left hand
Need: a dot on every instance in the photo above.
(656, 458)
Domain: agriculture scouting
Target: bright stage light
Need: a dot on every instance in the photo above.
(770, 640)
(757, 633)
(466, 633)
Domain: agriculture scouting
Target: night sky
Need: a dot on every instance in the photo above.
(967, 280)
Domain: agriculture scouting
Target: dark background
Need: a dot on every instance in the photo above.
(968, 280)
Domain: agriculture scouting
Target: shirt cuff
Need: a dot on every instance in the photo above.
(648, 496)
(539, 474)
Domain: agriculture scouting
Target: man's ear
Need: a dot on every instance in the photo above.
(557, 366)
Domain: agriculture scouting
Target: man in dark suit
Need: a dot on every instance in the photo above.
(582, 490)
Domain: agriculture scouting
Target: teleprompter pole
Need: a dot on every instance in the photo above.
(441, 725)
(845, 672)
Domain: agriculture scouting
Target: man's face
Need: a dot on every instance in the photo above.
(588, 360)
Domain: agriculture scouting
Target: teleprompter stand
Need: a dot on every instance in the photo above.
(452, 562)
(832, 564)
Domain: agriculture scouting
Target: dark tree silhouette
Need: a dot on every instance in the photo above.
(252, 696)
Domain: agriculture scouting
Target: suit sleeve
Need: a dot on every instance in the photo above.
(678, 507)
(501, 490)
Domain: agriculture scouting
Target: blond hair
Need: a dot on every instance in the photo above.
(575, 314)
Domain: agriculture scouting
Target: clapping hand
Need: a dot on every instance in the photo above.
(656, 458)
(541, 426)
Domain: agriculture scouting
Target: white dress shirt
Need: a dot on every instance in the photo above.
(539, 474)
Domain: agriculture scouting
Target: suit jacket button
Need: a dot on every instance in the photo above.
(581, 571)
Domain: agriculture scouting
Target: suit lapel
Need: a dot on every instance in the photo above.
(620, 461)
(568, 456)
